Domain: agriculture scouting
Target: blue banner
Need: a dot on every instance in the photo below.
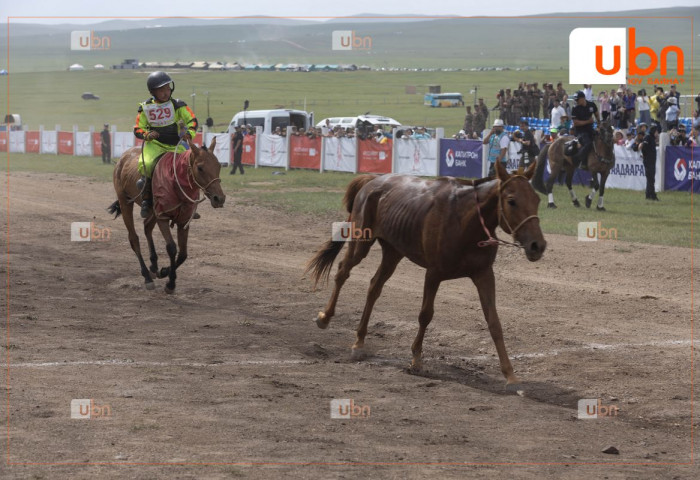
(460, 158)
(682, 169)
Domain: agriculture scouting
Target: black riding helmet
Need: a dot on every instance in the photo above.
(157, 80)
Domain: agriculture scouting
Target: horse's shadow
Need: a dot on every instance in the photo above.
(471, 375)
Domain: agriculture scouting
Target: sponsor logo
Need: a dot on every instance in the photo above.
(450, 157)
(89, 40)
(612, 56)
(346, 408)
(89, 232)
(349, 40)
(592, 408)
(594, 231)
(680, 169)
(87, 409)
(348, 231)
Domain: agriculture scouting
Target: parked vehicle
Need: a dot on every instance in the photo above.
(269, 120)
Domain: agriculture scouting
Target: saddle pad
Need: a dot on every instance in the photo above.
(169, 201)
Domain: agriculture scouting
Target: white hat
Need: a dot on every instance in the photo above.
(498, 123)
(672, 100)
(462, 132)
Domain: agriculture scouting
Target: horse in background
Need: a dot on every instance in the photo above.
(601, 160)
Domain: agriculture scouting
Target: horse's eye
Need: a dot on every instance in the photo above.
(199, 168)
(511, 202)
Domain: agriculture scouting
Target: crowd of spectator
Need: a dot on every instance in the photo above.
(624, 108)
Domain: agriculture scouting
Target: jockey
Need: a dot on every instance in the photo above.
(584, 114)
(157, 125)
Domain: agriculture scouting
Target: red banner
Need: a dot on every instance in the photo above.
(248, 157)
(97, 144)
(305, 152)
(373, 157)
(3, 141)
(31, 142)
(65, 143)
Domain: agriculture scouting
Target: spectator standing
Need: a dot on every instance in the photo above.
(237, 147)
(106, 145)
(497, 142)
(629, 100)
(643, 107)
(557, 113)
(468, 122)
(672, 113)
(604, 101)
(588, 91)
(647, 146)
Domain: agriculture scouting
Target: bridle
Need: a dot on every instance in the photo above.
(191, 178)
(492, 239)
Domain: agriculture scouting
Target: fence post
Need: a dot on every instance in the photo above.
(439, 135)
(75, 142)
(258, 132)
(323, 154)
(664, 140)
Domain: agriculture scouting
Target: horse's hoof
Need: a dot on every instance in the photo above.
(416, 365)
(169, 291)
(551, 205)
(601, 209)
(150, 285)
(589, 201)
(577, 204)
(321, 321)
(515, 388)
(357, 354)
(164, 272)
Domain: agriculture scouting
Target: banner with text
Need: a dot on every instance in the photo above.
(339, 154)
(373, 157)
(273, 151)
(417, 157)
(222, 149)
(49, 141)
(460, 158)
(17, 141)
(305, 152)
(83, 144)
(682, 169)
(248, 155)
(123, 141)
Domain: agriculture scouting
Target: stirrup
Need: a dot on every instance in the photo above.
(146, 209)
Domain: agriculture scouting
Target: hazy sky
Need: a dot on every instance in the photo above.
(120, 8)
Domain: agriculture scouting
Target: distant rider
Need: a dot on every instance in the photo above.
(583, 115)
(157, 124)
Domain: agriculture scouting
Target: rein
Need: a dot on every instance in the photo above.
(492, 239)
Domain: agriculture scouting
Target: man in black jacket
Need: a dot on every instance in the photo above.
(648, 148)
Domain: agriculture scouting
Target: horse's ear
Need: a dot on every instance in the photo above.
(193, 147)
(530, 172)
(501, 172)
(213, 144)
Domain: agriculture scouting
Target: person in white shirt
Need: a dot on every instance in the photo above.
(588, 91)
(557, 113)
(643, 107)
(672, 113)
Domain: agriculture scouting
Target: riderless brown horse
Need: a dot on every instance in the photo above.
(601, 159)
(446, 226)
(202, 171)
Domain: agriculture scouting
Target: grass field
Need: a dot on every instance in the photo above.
(311, 193)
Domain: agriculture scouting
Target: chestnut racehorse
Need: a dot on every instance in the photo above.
(601, 159)
(203, 172)
(444, 225)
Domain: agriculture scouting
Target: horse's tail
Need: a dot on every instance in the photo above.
(115, 209)
(537, 180)
(321, 264)
(353, 187)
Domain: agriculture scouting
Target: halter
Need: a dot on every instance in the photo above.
(492, 239)
(190, 179)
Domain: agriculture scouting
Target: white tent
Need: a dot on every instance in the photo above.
(76, 67)
(99, 66)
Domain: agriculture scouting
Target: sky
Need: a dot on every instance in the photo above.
(227, 8)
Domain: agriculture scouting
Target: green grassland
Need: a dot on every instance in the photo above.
(319, 194)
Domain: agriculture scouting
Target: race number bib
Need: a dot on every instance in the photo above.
(160, 115)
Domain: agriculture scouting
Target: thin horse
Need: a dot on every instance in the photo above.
(202, 171)
(601, 159)
(447, 227)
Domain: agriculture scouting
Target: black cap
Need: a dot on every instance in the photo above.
(580, 94)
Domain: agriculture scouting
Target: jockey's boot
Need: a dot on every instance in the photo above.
(146, 199)
(572, 147)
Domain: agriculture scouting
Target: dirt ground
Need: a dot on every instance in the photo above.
(231, 378)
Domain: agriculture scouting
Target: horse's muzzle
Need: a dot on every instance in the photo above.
(217, 200)
(534, 249)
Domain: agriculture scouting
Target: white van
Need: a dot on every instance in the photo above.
(358, 121)
(271, 119)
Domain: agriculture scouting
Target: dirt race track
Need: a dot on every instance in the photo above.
(231, 378)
